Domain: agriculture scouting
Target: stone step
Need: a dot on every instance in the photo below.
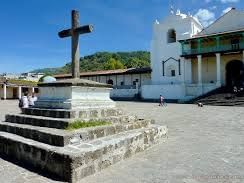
(58, 137)
(227, 104)
(223, 102)
(74, 162)
(61, 123)
(62, 113)
(42, 134)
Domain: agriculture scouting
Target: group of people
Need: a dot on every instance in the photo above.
(27, 100)
(237, 90)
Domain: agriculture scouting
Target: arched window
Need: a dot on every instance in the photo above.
(171, 36)
(110, 81)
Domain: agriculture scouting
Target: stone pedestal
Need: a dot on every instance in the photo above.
(74, 94)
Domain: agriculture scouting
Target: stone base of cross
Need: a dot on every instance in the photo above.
(74, 94)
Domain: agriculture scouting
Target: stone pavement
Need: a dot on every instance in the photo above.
(205, 145)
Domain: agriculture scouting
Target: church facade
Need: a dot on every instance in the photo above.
(188, 61)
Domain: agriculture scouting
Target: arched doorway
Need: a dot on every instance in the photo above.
(234, 74)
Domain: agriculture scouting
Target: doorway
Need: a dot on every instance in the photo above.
(234, 74)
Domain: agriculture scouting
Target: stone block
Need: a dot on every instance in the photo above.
(83, 172)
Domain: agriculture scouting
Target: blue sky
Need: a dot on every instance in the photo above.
(28, 32)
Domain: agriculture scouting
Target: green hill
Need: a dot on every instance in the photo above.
(105, 61)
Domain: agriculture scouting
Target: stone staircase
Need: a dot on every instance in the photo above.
(222, 98)
(38, 137)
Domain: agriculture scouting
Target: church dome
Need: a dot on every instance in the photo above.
(48, 79)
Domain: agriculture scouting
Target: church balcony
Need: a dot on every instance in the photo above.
(208, 45)
(213, 49)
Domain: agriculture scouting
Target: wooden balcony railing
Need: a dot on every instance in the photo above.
(213, 49)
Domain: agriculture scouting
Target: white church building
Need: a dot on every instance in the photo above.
(188, 61)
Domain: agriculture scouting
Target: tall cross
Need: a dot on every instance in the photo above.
(74, 33)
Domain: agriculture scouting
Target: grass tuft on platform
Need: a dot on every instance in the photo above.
(82, 124)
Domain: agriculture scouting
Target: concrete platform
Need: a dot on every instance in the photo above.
(38, 138)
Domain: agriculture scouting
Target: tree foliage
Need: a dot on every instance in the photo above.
(113, 64)
(105, 61)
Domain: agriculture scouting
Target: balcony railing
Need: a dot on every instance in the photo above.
(214, 49)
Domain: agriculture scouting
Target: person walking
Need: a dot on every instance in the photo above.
(161, 100)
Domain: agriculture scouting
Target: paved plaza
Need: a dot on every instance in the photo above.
(204, 145)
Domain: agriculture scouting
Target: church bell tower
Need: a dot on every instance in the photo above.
(167, 65)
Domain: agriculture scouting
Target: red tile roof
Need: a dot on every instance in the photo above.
(109, 72)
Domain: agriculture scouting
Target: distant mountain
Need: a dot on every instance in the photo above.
(104, 61)
(46, 70)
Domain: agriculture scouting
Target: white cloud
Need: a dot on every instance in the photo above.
(226, 10)
(205, 16)
(213, 8)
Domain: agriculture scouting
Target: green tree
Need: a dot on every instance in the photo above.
(136, 63)
(102, 60)
(113, 64)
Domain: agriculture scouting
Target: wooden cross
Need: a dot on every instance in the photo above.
(74, 33)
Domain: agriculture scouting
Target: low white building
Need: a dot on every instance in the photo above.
(126, 83)
(14, 89)
(31, 76)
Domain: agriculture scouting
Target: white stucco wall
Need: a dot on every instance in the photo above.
(123, 93)
(128, 79)
(196, 90)
(167, 91)
(128, 90)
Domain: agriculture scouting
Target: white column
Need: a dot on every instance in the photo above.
(218, 72)
(20, 92)
(182, 70)
(199, 69)
(188, 71)
(33, 90)
(4, 91)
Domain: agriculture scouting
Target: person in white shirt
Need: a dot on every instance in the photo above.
(24, 100)
(32, 99)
